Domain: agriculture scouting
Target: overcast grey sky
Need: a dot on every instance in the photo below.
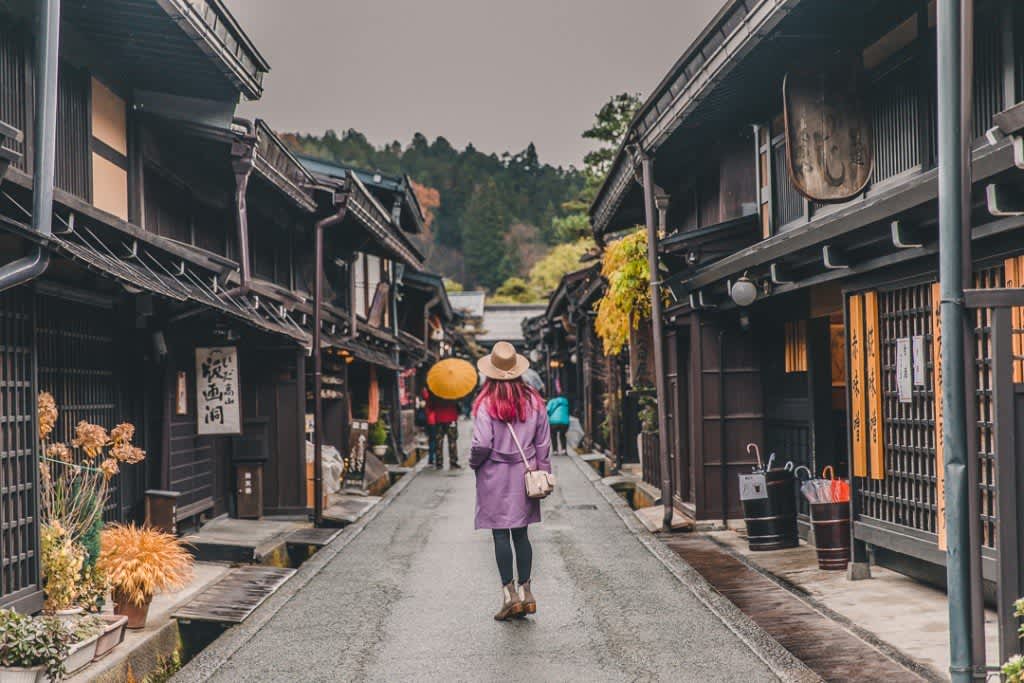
(497, 73)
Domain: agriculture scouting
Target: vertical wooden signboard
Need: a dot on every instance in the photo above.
(1014, 274)
(858, 422)
(940, 478)
(873, 356)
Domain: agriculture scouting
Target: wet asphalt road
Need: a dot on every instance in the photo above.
(412, 597)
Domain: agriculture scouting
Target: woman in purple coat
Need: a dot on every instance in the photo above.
(505, 404)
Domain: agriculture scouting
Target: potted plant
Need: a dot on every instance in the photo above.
(379, 438)
(112, 635)
(62, 566)
(139, 562)
(32, 650)
(85, 633)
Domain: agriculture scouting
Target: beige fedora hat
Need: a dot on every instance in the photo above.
(503, 363)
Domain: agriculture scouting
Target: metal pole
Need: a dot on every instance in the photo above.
(318, 404)
(954, 430)
(44, 147)
(657, 322)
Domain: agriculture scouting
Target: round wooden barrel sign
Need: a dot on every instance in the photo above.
(828, 135)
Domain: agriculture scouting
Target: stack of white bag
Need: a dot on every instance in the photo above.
(333, 466)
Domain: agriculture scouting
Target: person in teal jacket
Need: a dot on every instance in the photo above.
(558, 417)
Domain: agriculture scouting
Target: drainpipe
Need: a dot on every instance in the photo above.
(723, 464)
(44, 148)
(243, 154)
(318, 406)
(952, 208)
(647, 167)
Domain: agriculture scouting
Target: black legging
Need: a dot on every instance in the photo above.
(503, 553)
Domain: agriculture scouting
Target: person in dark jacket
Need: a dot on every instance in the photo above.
(442, 421)
(558, 416)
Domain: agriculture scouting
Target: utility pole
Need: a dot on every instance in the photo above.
(954, 183)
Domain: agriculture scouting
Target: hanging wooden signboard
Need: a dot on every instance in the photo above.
(873, 356)
(940, 478)
(856, 376)
(828, 133)
(218, 404)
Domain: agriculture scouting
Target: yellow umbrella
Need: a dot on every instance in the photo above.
(452, 378)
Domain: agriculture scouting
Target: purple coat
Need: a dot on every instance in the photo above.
(501, 501)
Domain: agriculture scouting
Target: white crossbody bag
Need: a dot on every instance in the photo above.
(539, 484)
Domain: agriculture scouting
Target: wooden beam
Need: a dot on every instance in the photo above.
(834, 258)
(905, 236)
(780, 275)
(1003, 199)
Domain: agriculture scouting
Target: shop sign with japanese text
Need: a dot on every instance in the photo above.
(217, 395)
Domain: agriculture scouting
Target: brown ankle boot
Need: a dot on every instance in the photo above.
(510, 605)
(526, 599)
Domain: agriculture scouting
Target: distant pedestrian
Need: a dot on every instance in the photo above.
(442, 421)
(558, 416)
(506, 405)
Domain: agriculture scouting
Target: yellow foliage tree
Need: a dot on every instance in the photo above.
(627, 300)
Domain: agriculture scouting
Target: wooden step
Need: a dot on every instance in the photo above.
(235, 596)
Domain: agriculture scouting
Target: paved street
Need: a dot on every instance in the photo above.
(411, 599)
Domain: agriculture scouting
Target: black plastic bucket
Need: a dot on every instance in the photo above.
(771, 521)
(832, 534)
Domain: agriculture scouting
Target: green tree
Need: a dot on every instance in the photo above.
(560, 261)
(451, 286)
(484, 224)
(515, 290)
(611, 122)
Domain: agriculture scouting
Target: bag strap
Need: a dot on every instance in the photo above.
(515, 438)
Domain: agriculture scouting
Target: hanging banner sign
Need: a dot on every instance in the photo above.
(917, 352)
(218, 406)
(828, 133)
(904, 377)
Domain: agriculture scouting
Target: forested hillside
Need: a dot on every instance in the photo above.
(495, 220)
(493, 214)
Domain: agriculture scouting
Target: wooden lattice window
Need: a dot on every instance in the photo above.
(19, 566)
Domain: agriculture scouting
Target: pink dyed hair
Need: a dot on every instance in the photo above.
(508, 400)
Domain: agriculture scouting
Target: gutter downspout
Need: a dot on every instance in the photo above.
(318, 405)
(45, 148)
(243, 153)
(647, 167)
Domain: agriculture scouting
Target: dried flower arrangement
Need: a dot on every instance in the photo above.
(73, 493)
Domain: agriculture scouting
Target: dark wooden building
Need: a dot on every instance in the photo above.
(182, 250)
(834, 362)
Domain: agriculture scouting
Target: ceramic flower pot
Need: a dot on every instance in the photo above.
(18, 674)
(81, 654)
(380, 451)
(112, 635)
(69, 616)
(136, 613)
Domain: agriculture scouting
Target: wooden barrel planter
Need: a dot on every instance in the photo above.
(771, 521)
(832, 534)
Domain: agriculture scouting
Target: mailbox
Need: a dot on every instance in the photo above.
(162, 510)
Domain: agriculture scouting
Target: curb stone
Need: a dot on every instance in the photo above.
(205, 664)
(780, 660)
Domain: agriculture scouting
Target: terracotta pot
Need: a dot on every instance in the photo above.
(136, 613)
(112, 635)
(81, 654)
